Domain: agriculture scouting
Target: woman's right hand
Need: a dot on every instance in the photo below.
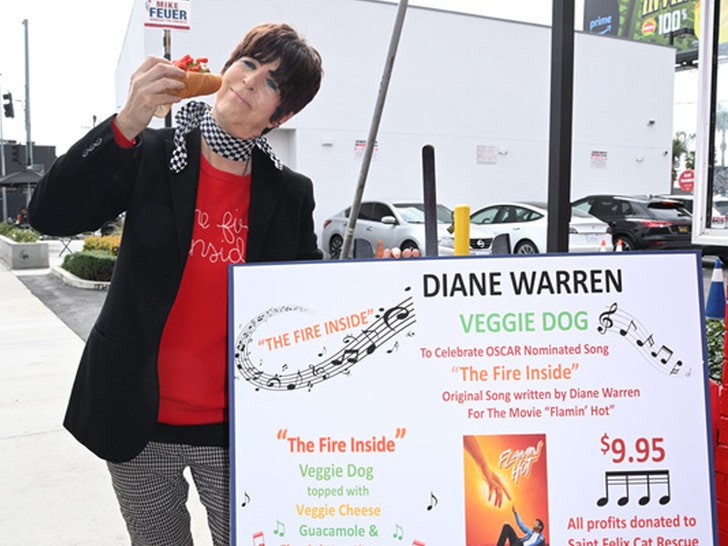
(148, 89)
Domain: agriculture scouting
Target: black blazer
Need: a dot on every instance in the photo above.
(115, 397)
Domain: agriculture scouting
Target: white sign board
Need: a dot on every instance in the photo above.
(173, 14)
(423, 401)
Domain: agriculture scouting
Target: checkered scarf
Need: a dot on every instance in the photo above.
(197, 114)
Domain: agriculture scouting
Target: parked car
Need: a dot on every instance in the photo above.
(526, 223)
(721, 204)
(642, 222)
(717, 220)
(398, 224)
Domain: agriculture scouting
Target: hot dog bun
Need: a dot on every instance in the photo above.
(197, 84)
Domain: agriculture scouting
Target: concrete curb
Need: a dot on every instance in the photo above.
(72, 280)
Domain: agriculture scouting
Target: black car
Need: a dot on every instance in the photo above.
(642, 222)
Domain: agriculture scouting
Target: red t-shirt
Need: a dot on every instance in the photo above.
(192, 360)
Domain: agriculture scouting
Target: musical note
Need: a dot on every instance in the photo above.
(649, 341)
(676, 368)
(323, 352)
(258, 539)
(625, 331)
(284, 367)
(372, 336)
(659, 477)
(246, 501)
(605, 319)
(393, 348)
(398, 532)
(629, 478)
(433, 501)
(255, 375)
(299, 380)
(280, 529)
(658, 353)
(349, 355)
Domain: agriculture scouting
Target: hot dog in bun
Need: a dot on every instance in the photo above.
(198, 81)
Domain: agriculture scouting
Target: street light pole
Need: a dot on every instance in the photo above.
(2, 165)
(29, 144)
(2, 145)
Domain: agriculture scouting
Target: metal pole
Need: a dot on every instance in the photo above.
(2, 144)
(2, 166)
(29, 145)
(430, 200)
(167, 45)
(461, 221)
(560, 135)
(373, 129)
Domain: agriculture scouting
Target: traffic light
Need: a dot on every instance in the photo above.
(8, 106)
(15, 153)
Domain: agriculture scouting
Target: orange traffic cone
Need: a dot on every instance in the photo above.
(380, 250)
(603, 248)
(619, 246)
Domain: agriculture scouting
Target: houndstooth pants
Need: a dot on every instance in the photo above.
(152, 493)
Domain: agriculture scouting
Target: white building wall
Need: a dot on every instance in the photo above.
(459, 82)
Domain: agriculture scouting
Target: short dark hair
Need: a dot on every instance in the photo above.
(299, 73)
(539, 522)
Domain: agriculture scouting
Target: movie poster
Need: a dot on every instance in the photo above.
(510, 469)
(549, 399)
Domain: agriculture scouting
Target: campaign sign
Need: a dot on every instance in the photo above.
(561, 399)
(174, 14)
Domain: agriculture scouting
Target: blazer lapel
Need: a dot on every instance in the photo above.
(183, 188)
(265, 189)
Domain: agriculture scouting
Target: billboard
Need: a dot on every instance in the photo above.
(665, 22)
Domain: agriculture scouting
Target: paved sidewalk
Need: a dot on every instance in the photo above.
(54, 491)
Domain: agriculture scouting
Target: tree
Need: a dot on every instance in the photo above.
(682, 145)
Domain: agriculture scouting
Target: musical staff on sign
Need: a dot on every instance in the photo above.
(389, 323)
(628, 327)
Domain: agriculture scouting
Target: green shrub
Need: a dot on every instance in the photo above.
(93, 265)
(25, 236)
(19, 235)
(107, 243)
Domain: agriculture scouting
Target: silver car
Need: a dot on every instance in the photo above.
(398, 224)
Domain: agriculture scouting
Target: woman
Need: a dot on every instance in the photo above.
(150, 395)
